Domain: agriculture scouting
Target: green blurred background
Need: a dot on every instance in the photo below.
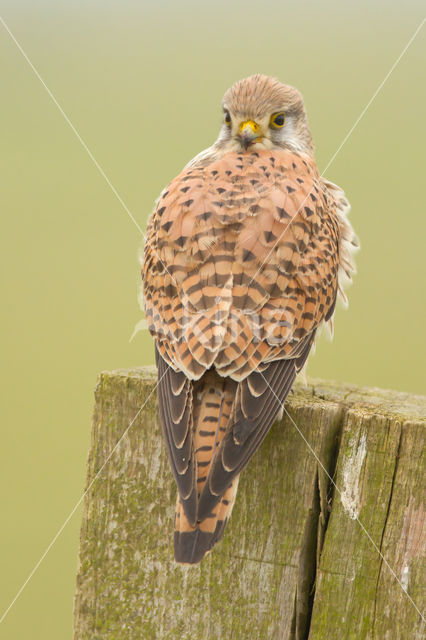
(142, 83)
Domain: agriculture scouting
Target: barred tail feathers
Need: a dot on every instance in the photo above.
(212, 411)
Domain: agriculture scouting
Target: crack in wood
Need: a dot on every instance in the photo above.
(384, 531)
(314, 537)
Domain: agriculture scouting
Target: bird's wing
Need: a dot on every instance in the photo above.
(175, 396)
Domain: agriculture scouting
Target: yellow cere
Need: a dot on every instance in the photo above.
(252, 124)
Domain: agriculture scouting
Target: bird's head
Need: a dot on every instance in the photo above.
(260, 112)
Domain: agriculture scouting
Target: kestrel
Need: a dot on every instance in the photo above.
(246, 252)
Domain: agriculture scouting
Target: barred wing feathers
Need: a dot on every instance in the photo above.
(241, 262)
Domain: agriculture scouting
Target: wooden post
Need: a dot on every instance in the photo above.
(294, 563)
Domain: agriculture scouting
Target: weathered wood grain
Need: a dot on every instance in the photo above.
(295, 562)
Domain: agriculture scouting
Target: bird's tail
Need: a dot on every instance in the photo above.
(192, 543)
(213, 402)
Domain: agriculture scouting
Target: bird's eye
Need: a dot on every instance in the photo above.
(227, 118)
(277, 120)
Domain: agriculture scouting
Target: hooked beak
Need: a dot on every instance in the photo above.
(249, 133)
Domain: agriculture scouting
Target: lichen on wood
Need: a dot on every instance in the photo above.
(295, 562)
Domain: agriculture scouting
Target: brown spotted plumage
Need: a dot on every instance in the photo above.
(245, 254)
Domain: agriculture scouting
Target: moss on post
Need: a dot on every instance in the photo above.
(294, 562)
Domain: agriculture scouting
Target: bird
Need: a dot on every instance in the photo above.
(245, 254)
